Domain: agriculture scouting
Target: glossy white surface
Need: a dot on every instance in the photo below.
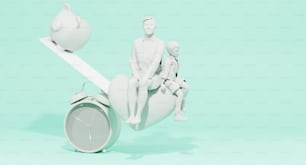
(78, 64)
(69, 30)
(158, 107)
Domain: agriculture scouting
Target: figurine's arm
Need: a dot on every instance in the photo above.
(158, 57)
(133, 63)
(166, 69)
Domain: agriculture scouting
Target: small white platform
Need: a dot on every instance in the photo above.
(78, 64)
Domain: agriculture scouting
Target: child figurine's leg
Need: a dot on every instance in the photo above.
(185, 92)
(183, 109)
(178, 107)
(183, 85)
(132, 99)
(185, 89)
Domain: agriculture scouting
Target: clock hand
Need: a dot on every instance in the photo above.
(90, 136)
(81, 121)
(92, 117)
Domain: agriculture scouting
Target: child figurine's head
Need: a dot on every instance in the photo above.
(173, 48)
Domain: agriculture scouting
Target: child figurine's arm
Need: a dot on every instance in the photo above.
(158, 57)
(133, 63)
(166, 69)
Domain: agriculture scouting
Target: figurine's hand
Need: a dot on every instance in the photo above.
(142, 82)
(163, 88)
(144, 79)
(137, 77)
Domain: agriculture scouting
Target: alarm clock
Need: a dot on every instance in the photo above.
(91, 125)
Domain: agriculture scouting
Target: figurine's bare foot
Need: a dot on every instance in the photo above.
(136, 121)
(180, 117)
(130, 120)
(137, 126)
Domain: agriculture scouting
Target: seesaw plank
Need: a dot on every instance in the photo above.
(78, 64)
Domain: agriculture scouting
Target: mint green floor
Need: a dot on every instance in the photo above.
(245, 62)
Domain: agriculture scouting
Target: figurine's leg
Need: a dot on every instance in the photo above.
(183, 109)
(132, 98)
(185, 89)
(183, 85)
(178, 107)
(179, 101)
(141, 101)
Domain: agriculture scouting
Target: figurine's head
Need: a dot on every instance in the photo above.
(66, 6)
(149, 26)
(173, 48)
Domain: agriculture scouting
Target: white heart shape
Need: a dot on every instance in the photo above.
(159, 104)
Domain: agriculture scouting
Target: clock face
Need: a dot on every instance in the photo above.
(87, 127)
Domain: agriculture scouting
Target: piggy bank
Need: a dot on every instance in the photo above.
(68, 30)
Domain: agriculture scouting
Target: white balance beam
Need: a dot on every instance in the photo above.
(78, 64)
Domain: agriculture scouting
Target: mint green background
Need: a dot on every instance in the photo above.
(244, 60)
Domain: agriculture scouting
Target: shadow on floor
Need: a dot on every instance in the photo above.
(50, 124)
(157, 143)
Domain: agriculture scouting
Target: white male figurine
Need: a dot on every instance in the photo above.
(145, 63)
(176, 85)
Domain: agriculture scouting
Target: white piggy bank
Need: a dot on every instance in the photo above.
(68, 30)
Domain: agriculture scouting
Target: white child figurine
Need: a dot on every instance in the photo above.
(145, 63)
(176, 85)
